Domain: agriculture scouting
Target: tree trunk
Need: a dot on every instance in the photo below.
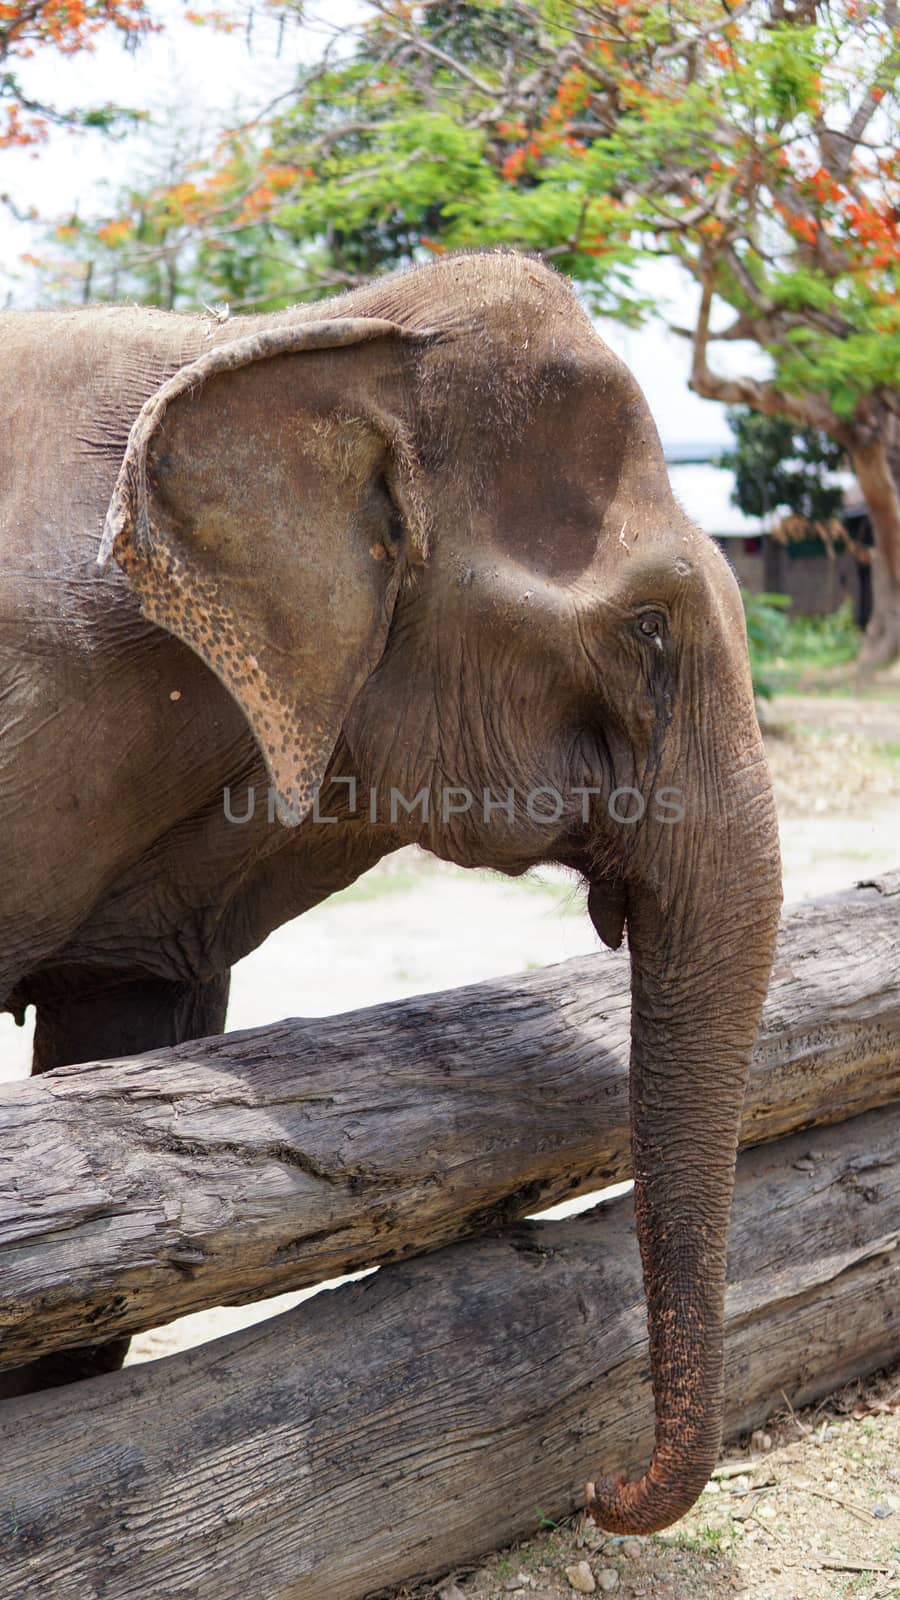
(874, 451)
(878, 476)
(410, 1423)
(881, 642)
(238, 1167)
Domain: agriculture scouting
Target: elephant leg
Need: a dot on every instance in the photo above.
(101, 1025)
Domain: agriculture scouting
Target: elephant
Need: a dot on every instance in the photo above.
(353, 562)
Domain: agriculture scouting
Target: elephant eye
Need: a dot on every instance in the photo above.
(389, 517)
(652, 626)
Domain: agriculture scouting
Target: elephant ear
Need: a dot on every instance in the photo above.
(251, 516)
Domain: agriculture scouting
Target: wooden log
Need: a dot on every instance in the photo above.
(239, 1167)
(401, 1425)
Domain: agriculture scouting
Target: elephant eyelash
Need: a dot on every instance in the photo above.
(391, 536)
(395, 534)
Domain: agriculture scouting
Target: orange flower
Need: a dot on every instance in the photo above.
(114, 233)
(257, 202)
(514, 165)
(280, 178)
(801, 227)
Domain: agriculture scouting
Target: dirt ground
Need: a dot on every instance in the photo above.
(812, 1510)
(834, 758)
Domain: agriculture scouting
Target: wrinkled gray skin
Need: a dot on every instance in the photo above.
(443, 553)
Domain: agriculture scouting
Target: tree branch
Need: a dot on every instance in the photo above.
(812, 410)
(423, 46)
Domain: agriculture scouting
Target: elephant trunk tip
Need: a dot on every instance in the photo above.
(618, 1505)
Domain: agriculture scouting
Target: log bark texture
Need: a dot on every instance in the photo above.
(398, 1426)
(239, 1167)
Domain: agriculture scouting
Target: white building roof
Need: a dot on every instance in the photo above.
(705, 494)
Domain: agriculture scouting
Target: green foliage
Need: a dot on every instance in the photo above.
(767, 628)
(820, 642)
(779, 466)
(803, 289)
(863, 361)
(784, 65)
(375, 213)
(784, 649)
(544, 1521)
(706, 1538)
(481, 33)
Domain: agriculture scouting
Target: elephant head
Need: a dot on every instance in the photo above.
(435, 521)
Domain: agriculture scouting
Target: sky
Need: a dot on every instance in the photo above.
(199, 79)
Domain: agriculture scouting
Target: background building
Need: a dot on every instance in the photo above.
(781, 557)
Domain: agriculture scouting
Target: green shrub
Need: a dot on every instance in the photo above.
(782, 647)
(822, 641)
(767, 630)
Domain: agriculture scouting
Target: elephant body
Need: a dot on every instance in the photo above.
(405, 567)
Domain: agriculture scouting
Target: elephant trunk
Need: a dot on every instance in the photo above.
(700, 967)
